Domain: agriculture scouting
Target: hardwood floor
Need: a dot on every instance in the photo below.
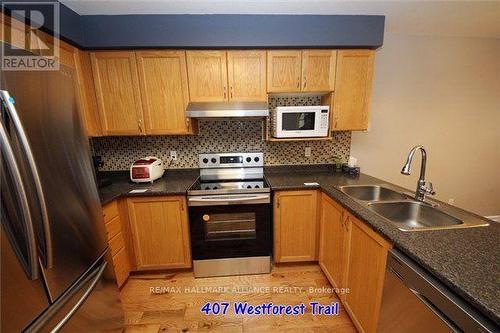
(175, 305)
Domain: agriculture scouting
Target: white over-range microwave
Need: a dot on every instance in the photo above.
(300, 121)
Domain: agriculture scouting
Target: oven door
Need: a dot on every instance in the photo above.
(230, 226)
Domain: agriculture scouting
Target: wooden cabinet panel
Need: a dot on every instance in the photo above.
(353, 85)
(283, 71)
(117, 90)
(247, 75)
(116, 243)
(318, 70)
(121, 266)
(164, 91)
(365, 275)
(207, 74)
(160, 232)
(334, 242)
(295, 226)
(110, 211)
(113, 227)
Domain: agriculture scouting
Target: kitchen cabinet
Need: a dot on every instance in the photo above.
(160, 232)
(117, 89)
(334, 242)
(116, 239)
(164, 91)
(301, 71)
(353, 86)
(295, 226)
(207, 73)
(246, 72)
(284, 71)
(318, 70)
(365, 274)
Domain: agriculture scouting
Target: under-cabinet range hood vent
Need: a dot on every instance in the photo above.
(228, 110)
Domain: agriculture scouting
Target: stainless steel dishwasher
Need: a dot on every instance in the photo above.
(414, 301)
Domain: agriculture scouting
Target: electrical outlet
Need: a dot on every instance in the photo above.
(173, 155)
(451, 201)
(307, 152)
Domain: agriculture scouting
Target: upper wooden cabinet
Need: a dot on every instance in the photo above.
(295, 226)
(160, 232)
(334, 242)
(367, 258)
(207, 72)
(247, 75)
(318, 70)
(296, 71)
(284, 71)
(117, 89)
(353, 86)
(164, 91)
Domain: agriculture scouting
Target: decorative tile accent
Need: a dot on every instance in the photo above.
(222, 136)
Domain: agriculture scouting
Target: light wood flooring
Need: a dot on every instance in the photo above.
(173, 311)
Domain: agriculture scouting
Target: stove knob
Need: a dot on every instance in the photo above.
(249, 186)
(205, 160)
(249, 159)
(256, 159)
(257, 186)
(215, 187)
(214, 160)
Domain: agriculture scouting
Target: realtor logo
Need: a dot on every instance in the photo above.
(25, 48)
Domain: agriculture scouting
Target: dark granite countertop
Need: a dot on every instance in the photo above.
(466, 260)
(174, 181)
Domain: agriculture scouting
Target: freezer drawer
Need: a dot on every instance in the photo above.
(91, 305)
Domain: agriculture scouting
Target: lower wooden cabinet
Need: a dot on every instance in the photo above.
(295, 226)
(334, 242)
(365, 274)
(160, 232)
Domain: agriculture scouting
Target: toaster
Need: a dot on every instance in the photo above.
(147, 169)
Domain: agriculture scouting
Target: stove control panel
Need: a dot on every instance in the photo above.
(231, 160)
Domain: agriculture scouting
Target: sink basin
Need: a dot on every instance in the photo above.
(412, 215)
(372, 193)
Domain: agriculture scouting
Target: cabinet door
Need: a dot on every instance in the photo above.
(365, 275)
(117, 89)
(318, 70)
(160, 232)
(207, 75)
(353, 86)
(295, 226)
(334, 242)
(247, 75)
(164, 91)
(283, 71)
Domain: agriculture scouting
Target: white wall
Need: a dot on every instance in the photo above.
(443, 93)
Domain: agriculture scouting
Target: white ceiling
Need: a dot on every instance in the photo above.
(442, 18)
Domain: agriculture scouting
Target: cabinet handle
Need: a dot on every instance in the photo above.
(224, 92)
(231, 91)
(305, 82)
(278, 203)
(298, 82)
(139, 123)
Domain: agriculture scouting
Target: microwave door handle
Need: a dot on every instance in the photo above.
(208, 199)
(10, 161)
(8, 101)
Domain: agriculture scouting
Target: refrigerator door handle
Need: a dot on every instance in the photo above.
(11, 110)
(79, 303)
(32, 264)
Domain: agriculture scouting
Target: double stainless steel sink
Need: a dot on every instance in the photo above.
(408, 214)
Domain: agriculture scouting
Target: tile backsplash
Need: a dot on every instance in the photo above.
(222, 136)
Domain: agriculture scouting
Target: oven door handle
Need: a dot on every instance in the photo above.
(237, 199)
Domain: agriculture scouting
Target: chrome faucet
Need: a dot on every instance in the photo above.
(423, 187)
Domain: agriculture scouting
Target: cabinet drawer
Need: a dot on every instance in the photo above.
(113, 227)
(121, 265)
(116, 243)
(110, 211)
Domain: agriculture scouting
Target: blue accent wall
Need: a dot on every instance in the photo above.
(217, 31)
(233, 31)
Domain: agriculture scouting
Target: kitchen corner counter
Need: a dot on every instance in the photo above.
(466, 260)
(173, 182)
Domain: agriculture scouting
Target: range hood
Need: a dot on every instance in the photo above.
(228, 110)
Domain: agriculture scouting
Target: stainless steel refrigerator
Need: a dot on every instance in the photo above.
(55, 269)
